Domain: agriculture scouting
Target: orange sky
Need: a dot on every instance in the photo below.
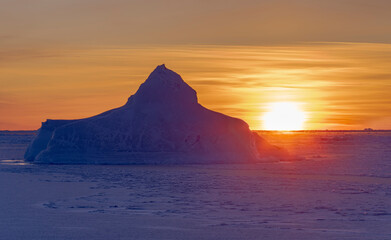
(73, 59)
(340, 85)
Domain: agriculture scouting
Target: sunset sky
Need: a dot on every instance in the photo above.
(72, 59)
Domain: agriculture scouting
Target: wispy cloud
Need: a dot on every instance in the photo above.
(340, 84)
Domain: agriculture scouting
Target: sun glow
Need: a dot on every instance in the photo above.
(284, 116)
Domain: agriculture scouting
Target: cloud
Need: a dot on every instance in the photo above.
(334, 80)
(228, 22)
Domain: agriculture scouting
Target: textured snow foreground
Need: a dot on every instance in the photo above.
(341, 191)
(162, 123)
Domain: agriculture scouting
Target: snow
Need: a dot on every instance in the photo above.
(162, 123)
(340, 191)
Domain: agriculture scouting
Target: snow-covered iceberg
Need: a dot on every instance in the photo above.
(162, 123)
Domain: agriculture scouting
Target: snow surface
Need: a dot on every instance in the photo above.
(162, 123)
(340, 191)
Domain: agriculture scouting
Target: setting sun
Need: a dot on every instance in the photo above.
(284, 116)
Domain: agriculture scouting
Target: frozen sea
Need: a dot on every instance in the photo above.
(340, 190)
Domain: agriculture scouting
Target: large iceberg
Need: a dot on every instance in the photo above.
(162, 123)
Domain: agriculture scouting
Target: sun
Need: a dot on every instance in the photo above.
(284, 116)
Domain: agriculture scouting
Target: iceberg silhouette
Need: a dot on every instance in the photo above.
(162, 123)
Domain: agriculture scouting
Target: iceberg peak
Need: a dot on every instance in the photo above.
(164, 86)
(162, 74)
(161, 67)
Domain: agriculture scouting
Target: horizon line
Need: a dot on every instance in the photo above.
(262, 130)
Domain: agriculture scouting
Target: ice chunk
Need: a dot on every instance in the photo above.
(162, 123)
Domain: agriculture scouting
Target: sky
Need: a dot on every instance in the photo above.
(72, 59)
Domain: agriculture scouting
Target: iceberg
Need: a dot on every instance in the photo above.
(162, 123)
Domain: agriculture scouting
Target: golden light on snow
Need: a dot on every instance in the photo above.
(284, 116)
